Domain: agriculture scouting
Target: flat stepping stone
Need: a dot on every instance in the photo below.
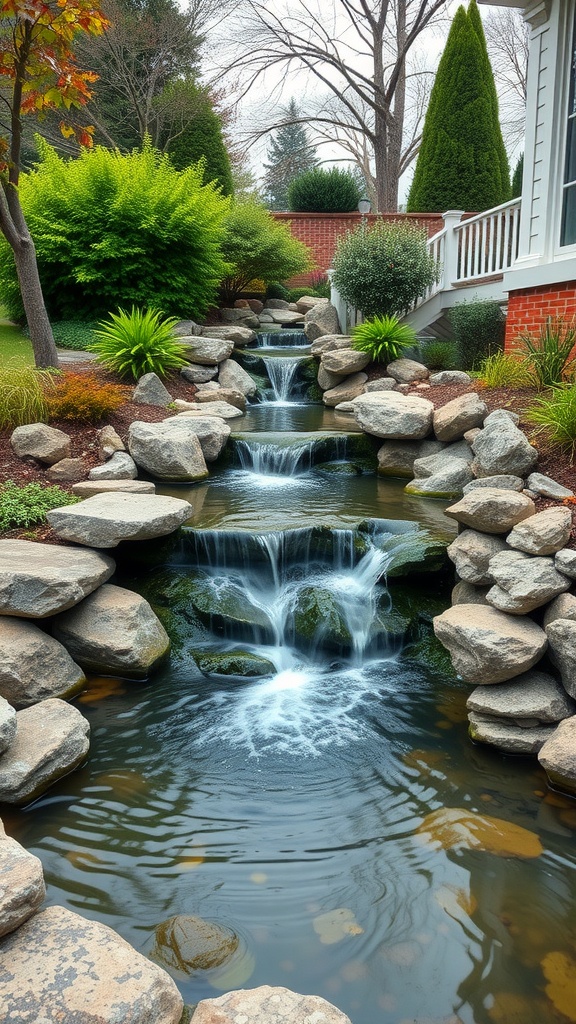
(114, 631)
(88, 488)
(37, 580)
(512, 739)
(60, 967)
(533, 696)
(22, 889)
(106, 519)
(51, 740)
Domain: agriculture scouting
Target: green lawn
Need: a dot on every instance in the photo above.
(15, 347)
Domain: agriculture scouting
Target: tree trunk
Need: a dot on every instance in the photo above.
(41, 336)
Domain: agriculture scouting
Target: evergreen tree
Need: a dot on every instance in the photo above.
(462, 163)
(290, 154)
(517, 177)
(196, 134)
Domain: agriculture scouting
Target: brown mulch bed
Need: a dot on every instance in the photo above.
(553, 462)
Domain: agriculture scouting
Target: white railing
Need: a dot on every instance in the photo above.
(487, 243)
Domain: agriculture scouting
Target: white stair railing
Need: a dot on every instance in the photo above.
(487, 243)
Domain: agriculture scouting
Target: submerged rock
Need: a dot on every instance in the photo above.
(233, 663)
(506, 736)
(185, 943)
(224, 605)
(457, 828)
(318, 619)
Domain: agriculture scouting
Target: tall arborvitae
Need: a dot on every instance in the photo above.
(200, 138)
(462, 162)
(290, 154)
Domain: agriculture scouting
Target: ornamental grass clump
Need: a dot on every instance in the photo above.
(132, 344)
(384, 338)
(384, 269)
(27, 506)
(550, 352)
(555, 415)
(23, 392)
(503, 370)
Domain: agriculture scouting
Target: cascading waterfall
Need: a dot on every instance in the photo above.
(282, 372)
(268, 459)
(282, 339)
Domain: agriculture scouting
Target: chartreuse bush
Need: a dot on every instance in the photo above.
(504, 370)
(138, 342)
(257, 247)
(383, 337)
(22, 395)
(323, 191)
(383, 269)
(113, 230)
(26, 506)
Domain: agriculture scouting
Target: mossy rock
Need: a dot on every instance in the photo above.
(427, 652)
(224, 606)
(337, 469)
(318, 621)
(414, 553)
(233, 663)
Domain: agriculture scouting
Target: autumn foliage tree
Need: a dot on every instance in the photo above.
(40, 74)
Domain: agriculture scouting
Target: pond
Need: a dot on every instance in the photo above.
(305, 808)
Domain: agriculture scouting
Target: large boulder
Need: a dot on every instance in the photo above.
(505, 736)
(212, 431)
(501, 482)
(344, 361)
(397, 458)
(267, 1005)
(120, 466)
(22, 888)
(487, 646)
(247, 317)
(542, 534)
(492, 510)
(391, 414)
(206, 351)
(447, 482)
(320, 320)
(34, 666)
(407, 371)
(346, 390)
(62, 967)
(233, 376)
(522, 582)
(502, 448)
(7, 724)
(194, 373)
(558, 756)
(113, 632)
(47, 444)
(169, 450)
(451, 421)
(561, 635)
(151, 391)
(330, 343)
(471, 552)
(37, 580)
(106, 519)
(240, 334)
(51, 740)
(533, 696)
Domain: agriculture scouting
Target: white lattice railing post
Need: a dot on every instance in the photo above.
(452, 219)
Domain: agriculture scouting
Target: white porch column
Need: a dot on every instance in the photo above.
(450, 267)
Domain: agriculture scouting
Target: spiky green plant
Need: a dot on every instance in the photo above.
(138, 342)
(502, 370)
(550, 351)
(22, 395)
(383, 337)
(555, 416)
(438, 354)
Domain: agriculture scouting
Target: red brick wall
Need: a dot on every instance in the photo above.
(320, 231)
(529, 307)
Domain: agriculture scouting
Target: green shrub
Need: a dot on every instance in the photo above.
(74, 334)
(439, 355)
(550, 351)
(382, 270)
(113, 230)
(383, 338)
(501, 370)
(22, 398)
(320, 285)
(555, 415)
(257, 247)
(131, 344)
(275, 290)
(478, 331)
(323, 191)
(28, 505)
(296, 293)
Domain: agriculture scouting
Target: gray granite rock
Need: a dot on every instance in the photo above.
(267, 1005)
(547, 487)
(51, 740)
(467, 593)
(561, 635)
(451, 421)
(330, 343)
(113, 632)
(41, 442)
(60, 967)
(492, 510)
(34, 666)
(211, 431)
(397, 458)
(106, 519)
(223, 410)
(7, 724)
(346, 390)
(505, 736)
(487, 646)
(120, 466)
(390, 414)
(380, 384)
(429, 465)
(523, 583)
(151, 391)
(169, 450)
(233, 376)
(88, 488)
(563, 607)
(501, 416)
(245, 316)
(67, 471)
(109, 441)
(565, 562)
(37, 580)
(344, 361)
(22, 888)
(286, 317)
(447, 482)
(450, 377)
(195, 373)
(328, 380)
(534, 696)
(227, 395)
(471, 552)
(558, 756)
(406, 371)
(502, 448)
(240, 334)
(503, 481)
(206, 351)
(322, 319)
(543, 534)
